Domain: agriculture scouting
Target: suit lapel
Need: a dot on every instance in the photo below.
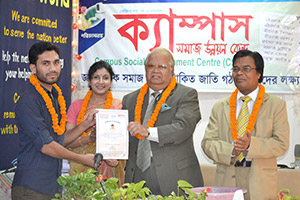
(145, 105)
(227, 111)
(159, 119)
(172, 92)
(262, 109)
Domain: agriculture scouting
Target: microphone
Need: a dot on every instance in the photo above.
(97, 159)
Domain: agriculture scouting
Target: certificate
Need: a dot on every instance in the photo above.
(111, 133)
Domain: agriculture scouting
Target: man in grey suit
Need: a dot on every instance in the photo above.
(164, 152)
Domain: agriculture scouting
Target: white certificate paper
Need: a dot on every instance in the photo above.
(112, 134)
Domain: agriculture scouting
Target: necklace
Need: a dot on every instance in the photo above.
(85, 102)
(140, 101)
(257, 105)
(61, 101)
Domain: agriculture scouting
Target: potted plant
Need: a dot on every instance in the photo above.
(88, 186)
(284, 194)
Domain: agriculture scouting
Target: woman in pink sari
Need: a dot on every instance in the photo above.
(81, 134)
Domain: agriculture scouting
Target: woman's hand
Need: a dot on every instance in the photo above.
(92, 136)
(90, 119)
(112, 162)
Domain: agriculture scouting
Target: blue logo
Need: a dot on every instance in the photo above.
(92, 26)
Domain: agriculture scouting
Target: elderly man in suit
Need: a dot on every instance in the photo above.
(161, 149)
(247, 132)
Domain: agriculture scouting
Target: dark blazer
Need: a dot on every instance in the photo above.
(174, 156)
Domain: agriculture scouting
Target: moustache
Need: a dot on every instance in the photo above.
(52, 73)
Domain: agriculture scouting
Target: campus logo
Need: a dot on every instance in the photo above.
(92, 26)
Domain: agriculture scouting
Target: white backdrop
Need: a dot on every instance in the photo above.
(274, 29)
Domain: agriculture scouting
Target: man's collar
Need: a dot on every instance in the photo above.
(53, 91)
(151, 91)
(253, 94)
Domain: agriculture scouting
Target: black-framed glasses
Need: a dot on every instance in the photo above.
(245, 69)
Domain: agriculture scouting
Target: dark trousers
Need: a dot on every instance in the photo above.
(23, 193)
(150, 177)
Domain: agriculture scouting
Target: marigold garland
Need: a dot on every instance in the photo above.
(85, 102)
(140, 101)
(252, 119)
(59, 129)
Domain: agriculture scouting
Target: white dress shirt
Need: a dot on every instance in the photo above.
(239, 101)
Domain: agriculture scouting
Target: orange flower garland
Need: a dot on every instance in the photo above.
(61, 101)
(257, 105)
(140, 101)
(85, 102)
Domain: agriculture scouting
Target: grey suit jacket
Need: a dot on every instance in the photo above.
(269, 140)
(174, 156)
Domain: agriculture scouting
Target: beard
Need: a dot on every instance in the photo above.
(49, 81)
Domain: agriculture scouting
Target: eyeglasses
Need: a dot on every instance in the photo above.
(245, 69)
(161, 67)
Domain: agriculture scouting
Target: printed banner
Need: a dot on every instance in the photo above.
(23, 23)
(203, 38)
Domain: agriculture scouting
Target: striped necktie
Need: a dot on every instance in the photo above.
(143, 157)
(242, 122)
